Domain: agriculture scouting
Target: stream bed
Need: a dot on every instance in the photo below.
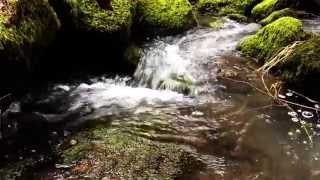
(192, 110)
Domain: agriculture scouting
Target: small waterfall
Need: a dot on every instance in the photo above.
(169, 66)
(182, 60)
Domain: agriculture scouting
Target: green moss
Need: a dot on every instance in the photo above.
(271, 38)
(223, 7)
(120, 154)
(304, 63)
(164, 16)
(264, 8)
(276, 15)
(31, 25)
(87, 15)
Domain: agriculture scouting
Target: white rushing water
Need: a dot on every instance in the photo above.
(186, 56)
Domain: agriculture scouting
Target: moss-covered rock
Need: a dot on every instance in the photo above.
(26, 27)
(133, 54)
(123, 155)
(164, 16)
(211, 21)
(179, 83)
(276, 15)
(90, 15)
(265, 8)
(224, 7)
(304, 63)
(271, 38)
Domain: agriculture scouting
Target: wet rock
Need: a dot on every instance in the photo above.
(180, 83)
(133, 54)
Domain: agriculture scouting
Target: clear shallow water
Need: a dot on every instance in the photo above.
(236, 131)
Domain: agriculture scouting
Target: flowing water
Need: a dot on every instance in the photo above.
(312, 23)
(236, 131)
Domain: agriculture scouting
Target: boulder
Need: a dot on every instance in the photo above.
(162, 17)
(224, 7)
(27, 27)
(271, 38)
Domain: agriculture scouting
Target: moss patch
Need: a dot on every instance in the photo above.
(119, 154)
(264, 8)
(276, 15)
(87, 15)
(224, 7)
(271, 38)
(304, 63)
(164, 16)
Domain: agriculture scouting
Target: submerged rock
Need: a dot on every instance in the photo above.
(179, 83)
(272, 37)
(107, 153)
(160, 17)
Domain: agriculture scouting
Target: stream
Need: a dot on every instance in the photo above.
(187, 90)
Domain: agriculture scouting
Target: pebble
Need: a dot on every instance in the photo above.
(62, 166)
(292, 113)
(289, 94)
(73, 142)
(64, 87)
(281, 96)
(298, 131)
(294, 119)
(197, 113)
(290, 133)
